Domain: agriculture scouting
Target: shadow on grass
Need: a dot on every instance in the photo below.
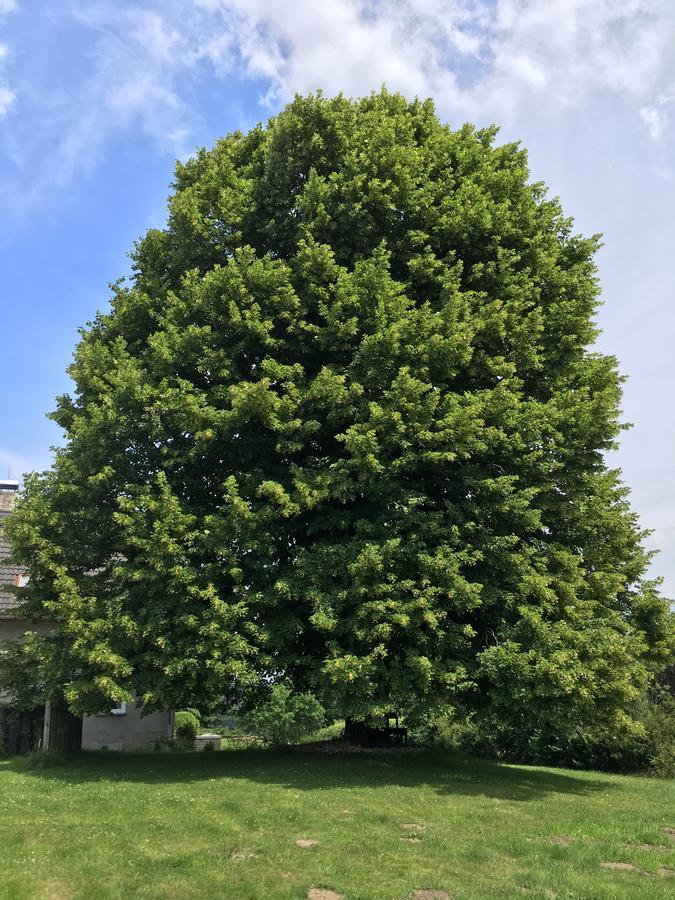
(308, 770)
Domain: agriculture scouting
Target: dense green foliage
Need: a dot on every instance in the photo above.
(186, 725)
(659, 737)
(647, 746)
(284, 716)
(345, 423)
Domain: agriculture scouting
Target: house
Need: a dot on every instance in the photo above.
(54, 727)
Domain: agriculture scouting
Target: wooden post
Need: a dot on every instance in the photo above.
(47, 726)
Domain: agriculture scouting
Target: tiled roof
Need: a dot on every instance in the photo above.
(8, 572)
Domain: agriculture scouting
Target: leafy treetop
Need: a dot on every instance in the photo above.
(345, 423)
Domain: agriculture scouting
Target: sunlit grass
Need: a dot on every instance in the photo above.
(226, 825)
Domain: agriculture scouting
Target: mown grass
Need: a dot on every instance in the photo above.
(226, 825)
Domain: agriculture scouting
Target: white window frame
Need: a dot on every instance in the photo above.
(22, 580)
(119, 710)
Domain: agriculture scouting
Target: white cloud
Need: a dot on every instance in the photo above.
(652, 118)
(663, 541)
(7, 95)
(656, 117)
(480, 59)
(512, 49)
(590, 85)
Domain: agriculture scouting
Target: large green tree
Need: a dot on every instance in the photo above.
(345, 423)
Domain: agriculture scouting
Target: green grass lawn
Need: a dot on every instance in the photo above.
(226, 824)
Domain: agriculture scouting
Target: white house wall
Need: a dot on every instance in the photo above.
(15, 629)
(130, 731)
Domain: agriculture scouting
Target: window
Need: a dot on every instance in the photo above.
(22, 580)
(119, 709)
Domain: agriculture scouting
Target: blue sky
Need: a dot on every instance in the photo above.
(98, 97)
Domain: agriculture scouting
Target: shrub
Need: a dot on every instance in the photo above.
(335, 731)
(646, 743)
(440, 730)
(284, 717)
(659, 740)
(186, 727)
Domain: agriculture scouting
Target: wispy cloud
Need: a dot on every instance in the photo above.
(479, 59)
(656, 118)
(475, 58)
(590, 85)
(134, 57)
(7, 95)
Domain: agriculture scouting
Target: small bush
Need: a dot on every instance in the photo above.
(284, 717)
(333, 732)
(440, 730)
(659, 740)
(186, 728)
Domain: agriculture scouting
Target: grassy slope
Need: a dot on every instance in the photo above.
(225, 825)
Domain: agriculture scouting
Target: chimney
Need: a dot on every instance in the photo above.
(8, 491)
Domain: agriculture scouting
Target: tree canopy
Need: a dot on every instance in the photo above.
(345, 423)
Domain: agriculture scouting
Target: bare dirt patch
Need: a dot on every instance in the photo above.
(619, 866)
(651, 848)
(412, 826)
(323, 894)
(286, 876)
(670, 832)
(667, 873)
(306, 842)
(563, 839)
(413, 839)
(430, 894)
(627, 867)
(56, 890)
